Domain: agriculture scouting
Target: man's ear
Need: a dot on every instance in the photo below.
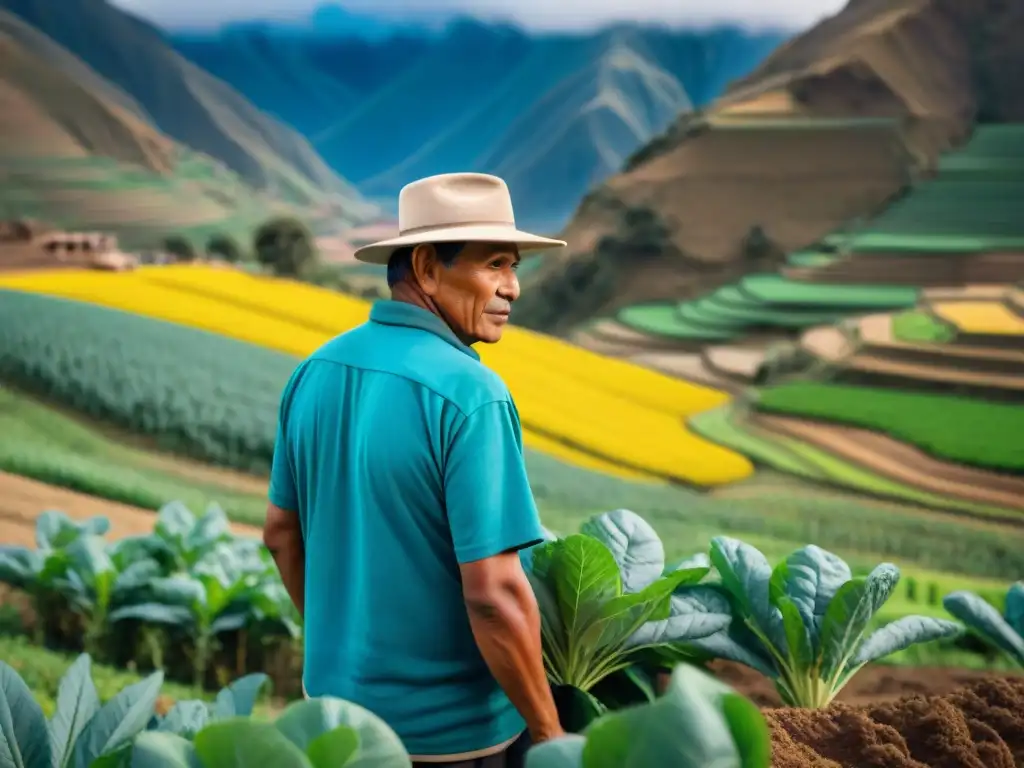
(425, 267)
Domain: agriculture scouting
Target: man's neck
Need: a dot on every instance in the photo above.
(410, 294)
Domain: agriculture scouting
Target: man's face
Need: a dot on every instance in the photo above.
(476, 292)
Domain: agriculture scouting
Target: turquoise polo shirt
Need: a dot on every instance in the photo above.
(402, 455)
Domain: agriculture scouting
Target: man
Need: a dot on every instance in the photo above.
(399, 497)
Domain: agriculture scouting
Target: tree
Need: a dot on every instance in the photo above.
(180, 247)
(285, 246)
(225, 248)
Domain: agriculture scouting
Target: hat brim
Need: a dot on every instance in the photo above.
(380, 252)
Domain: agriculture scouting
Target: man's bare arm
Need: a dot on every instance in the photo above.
(283, 536)
(506, 625)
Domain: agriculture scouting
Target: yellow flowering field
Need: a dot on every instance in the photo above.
(593, 408)
(989, 317)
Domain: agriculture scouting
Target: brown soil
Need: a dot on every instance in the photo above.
(899, 461)
(21, 501)
(978, 726)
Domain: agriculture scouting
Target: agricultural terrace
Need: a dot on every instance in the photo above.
(973, 202)
(958, 429)
(596, 409)
(989, 318)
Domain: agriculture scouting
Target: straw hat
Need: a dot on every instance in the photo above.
(454, 207)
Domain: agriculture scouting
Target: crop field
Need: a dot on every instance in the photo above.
(588, 410)
(971, 432)
(918, 326)
(980, 317)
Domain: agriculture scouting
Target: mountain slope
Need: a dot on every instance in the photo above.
(930, 67)
(79, 153)
(192, 106)
(554, 114)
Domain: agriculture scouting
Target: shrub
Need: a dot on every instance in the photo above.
(180, 247)
(285, 246)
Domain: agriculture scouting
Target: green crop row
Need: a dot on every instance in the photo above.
(196, 393)
(957, 429)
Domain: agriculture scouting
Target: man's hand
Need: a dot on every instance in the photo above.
(506, 625)
(282, 534)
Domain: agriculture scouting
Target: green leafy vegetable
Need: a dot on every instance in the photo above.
(805, 622)
(1006, 631)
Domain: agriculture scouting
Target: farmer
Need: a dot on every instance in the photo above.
(399, 498)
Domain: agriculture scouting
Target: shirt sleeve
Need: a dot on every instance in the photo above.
(282, 491)
(488, 497)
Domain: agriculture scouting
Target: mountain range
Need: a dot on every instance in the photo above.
(828, 129)
(105, 125)
(553, 114)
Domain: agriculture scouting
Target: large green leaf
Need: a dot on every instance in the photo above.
(980, 616)
(633, 543)
(745, 573)
(564, 752)
(1015, 607)
(155, 749)
(379, 746)
(55, 530)
(903, 633)
(585, 577)
(238, 698)
(239, 742)
(685, 728)
(849, 614)
(24, 739)
(174, 521)
(334, 749)
(208, 530)
(811, 576)
(77, 703)
(798, 634)
(749, 730)
(118, 721)
(622, 616)
(153, 613)
(19, 566)
(695, 611)
(136, 576)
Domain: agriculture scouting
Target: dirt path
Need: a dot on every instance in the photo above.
(21, 501)
(900, 461)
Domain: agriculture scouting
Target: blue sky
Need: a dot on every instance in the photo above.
(532, 14)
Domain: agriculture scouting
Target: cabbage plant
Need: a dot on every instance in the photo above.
(211, 598)
(82, 733)
(805, 623)
(606, 597)
(73, 567)
(316, 733)
(1004, 631)
(699, 722)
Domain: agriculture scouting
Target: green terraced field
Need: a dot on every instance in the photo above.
(775, 289)
(917, 326)
(663, 320)
(972, 432)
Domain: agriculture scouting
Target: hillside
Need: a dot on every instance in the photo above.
(191, 106)
(80, 153)
(553, 114)
(929, 66)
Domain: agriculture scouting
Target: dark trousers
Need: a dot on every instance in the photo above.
(513, 756)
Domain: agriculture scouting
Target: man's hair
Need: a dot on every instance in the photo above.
(400, 263)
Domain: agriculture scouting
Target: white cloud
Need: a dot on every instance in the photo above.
(533, 14)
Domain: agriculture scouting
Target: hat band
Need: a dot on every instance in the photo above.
(466, 225)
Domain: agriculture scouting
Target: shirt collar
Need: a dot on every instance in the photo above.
(401, 313)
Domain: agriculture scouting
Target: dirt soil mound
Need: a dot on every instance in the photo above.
(980, 726)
